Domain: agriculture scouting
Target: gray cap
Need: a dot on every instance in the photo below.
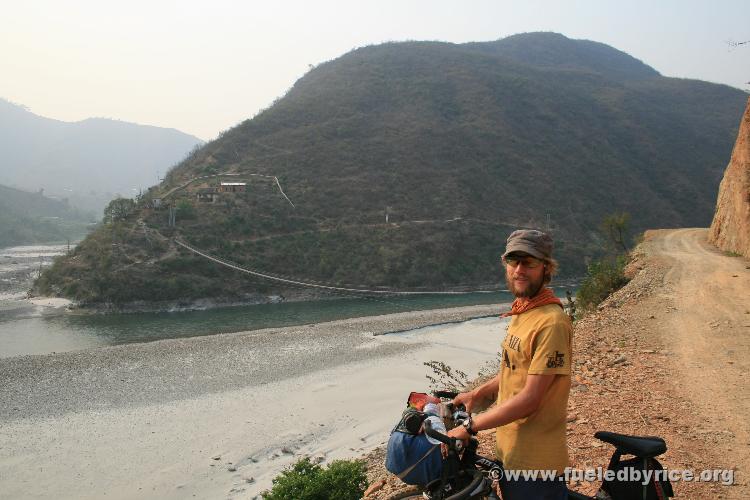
(530, 241)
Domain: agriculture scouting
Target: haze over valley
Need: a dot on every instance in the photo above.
(87, 163)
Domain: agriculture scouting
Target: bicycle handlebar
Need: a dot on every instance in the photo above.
(438, 435)
(454, 446)
(445, 394)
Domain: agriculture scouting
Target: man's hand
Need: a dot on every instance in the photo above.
(458, 433)
(466, 399)
(480, 397)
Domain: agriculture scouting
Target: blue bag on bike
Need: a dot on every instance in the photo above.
(410, 454)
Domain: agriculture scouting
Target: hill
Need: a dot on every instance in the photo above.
(27, 218)
(87, 162)
(457, 143)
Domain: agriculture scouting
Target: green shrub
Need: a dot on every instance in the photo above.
(604, 277)
(119, 209)
(341, 480)
(185, 210)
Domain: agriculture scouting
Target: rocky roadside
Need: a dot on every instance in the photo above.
(623, 382)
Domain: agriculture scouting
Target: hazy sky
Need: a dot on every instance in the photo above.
(203, 67)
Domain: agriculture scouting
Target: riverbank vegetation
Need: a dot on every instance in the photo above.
(305, 480)
(606, 274)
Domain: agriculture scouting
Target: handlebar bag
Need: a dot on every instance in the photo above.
(419, 399)
(413, 458)
(410, 455)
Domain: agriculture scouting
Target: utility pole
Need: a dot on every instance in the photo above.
(172, 215)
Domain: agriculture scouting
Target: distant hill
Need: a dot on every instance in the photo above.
(27, 218)
(87, 162)
(457, 143)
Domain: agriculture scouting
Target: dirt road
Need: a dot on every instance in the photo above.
(709, 330)
(683, 326)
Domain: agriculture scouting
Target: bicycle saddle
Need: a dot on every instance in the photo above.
(640, 446)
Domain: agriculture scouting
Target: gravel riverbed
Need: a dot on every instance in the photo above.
(147, 420)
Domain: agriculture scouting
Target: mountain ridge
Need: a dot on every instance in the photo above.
(553, 50)
(439, 136)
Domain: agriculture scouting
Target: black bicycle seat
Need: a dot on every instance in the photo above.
(640, 446)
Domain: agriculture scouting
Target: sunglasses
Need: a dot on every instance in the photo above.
(528, 261)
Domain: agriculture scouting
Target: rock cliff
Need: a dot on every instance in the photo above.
(730, 229)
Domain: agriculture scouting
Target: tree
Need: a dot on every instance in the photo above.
(606, 275)
(615, 226)
(185, 209)
(119, 209)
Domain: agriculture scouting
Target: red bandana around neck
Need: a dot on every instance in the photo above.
(523, 304)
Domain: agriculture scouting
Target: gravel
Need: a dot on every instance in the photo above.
(176, 369)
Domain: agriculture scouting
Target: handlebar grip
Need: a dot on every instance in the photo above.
(445, 394)
(438, 435)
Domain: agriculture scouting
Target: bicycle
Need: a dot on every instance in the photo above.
(468, 476)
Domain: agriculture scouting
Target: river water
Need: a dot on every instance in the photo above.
(28, 328)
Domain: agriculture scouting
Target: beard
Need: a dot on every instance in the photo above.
(532, 288)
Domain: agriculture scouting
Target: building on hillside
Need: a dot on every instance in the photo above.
(233, 187)
(208, 195)
(156, 202)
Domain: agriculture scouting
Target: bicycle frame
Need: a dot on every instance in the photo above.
(492, 471)
(472, 476)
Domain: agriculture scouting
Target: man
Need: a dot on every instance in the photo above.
(533, 384)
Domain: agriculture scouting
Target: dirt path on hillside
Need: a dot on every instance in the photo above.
(709, 331)
(666, 355)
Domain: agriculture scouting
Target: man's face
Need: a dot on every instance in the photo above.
(522, 279)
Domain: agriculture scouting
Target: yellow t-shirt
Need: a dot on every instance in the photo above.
(539, 341)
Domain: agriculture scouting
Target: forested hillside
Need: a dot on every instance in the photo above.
(27, 218)
(456, 144)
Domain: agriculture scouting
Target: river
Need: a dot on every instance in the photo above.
(28, 328)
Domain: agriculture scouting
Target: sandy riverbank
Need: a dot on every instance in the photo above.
(219, 416)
